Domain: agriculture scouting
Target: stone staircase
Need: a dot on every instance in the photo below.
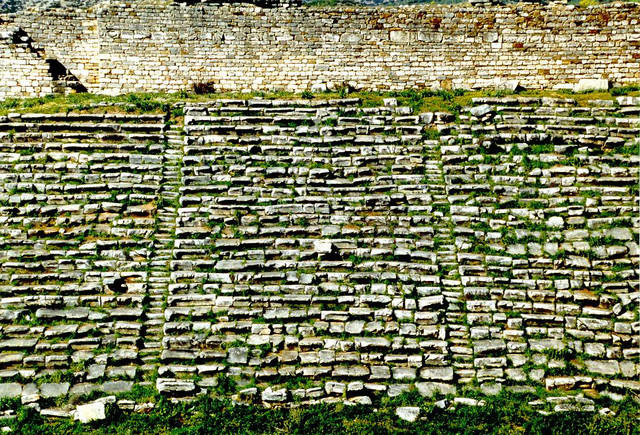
(27, 70)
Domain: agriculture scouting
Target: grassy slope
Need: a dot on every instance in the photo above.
(421, 101)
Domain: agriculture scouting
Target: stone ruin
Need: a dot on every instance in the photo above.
(318, 251)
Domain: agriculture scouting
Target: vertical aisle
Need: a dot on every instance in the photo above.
(163, 244)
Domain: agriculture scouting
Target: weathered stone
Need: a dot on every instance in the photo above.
(609, 368)
(484, 347)
(115, 387)
(238, 355)
(481, 110)
(269, 395)
(619, 233)
(48, 390)
(322, 246)
(90, 412)
(335, 388)
(380, 372)
(437, 373)
(371, 342)
(555, 222)
(539, 345)
(591, 85)
(408, 413)
(404, 373)
(174, 386)
(10, 390)
(428, 389)
(628, 101)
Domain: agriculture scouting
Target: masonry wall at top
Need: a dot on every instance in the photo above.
(123, 47)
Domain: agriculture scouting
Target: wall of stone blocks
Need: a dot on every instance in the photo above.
(320, 251)
(22, 71)
(67, 35)
(121, 47)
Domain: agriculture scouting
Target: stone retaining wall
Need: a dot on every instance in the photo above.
(22, 71)
(123, 47)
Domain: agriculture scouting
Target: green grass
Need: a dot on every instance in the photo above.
(420, 100)
(502, 414)
(624, 90)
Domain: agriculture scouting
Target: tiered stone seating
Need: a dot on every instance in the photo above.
(353, 250)
(544, 203)
(303, 251)
(79, 201)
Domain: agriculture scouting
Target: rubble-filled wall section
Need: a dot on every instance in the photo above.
(168, 47)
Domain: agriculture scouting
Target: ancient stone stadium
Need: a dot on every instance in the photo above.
(411, 211)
